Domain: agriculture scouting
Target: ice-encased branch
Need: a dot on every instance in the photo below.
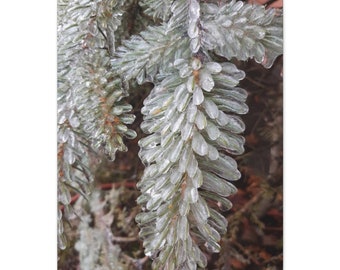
(91, 112)
(242, 31)
(150, 53)
(191, 118)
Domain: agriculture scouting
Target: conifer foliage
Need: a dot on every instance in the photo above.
(191, 117)
(91, 114)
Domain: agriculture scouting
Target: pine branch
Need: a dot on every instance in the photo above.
(143, 56)
(91, 113)
(73, 171)
(243, 31)
(185, 169)
(190, 116)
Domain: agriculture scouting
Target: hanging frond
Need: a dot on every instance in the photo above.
(191, 118)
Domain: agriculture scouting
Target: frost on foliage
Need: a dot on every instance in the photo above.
(143, 56)
(85, 77)
(152, 52)
(91, 112)
(243, 31)
(191, 116)
(73, 173)
(95, 247)
(191, 119)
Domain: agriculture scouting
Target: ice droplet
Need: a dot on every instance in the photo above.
(179, 63)
(185, 71)
(193, 195)
(182, 227)
(222, 118)
(192, 29)
(182, 103)
(62, 241)
(140, 77)
(194, 10)
(180, 253)
(200, 211)
(171, 236)
(190, 84)
(198, 96)
(184, 208)
(197, 180)
(211, 8)
(74, 121)
(191, 112)
(211, 108)
(162, 222)
(186, 131)
(183, 163)
(213, 153)
(69, 156)
(199, 145)
(206, 81)
(200, 121)
(175, 176)
(178, 123)
(65, 135)
(212, 246)
(195, 45)
(192, 165)
(179, 91)
(196, 64)
(176, 151)
(213, 67)
(213, 131)
(227, 23)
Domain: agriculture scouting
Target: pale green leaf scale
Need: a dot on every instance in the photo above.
(186, 131)
(183, 101)
(195, 44)
(182, 228)
(176, 151)
(197, 97)
(199, 145)
(211, 108)
(213, 153)
(192, 165)
(212, 130)
(191, 112)
(176, 176)
(201, 120)
(184, 208)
